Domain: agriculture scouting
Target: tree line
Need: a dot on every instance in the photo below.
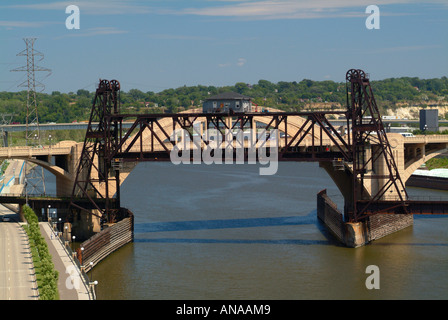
(289, 96)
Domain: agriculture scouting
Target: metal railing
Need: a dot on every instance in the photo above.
(89, 285)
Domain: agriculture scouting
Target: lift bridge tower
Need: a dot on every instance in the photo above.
(35, 183)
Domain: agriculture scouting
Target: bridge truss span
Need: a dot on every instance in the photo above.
(152, 137)
(363, 153)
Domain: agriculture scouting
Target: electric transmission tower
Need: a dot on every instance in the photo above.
(35, 182)
(6, 119)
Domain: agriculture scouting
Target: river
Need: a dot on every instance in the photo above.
(226, 232)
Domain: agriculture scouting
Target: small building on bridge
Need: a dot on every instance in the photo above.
(227, 101)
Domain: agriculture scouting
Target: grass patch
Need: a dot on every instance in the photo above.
(437, 163)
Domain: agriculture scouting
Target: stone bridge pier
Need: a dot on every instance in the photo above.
(409, 154)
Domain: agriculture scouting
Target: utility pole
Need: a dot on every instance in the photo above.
(35, 176)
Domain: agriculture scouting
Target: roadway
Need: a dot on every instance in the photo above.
(17, 280)
(127, 124)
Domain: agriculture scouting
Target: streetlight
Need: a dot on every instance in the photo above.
(48, 212)
(425, 128)
(91, 270)
(73, 240)
(50, 138)
(81, 260)
(92, 287)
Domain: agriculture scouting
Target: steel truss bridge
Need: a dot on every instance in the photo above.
(364, 154)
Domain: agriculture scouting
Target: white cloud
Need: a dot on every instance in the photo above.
(164, 36)
(405, 48)
(293, 9)
(92, 32)
(247, 9)
(241, 62)
(24, 24)
(224, 65)
(98, 7)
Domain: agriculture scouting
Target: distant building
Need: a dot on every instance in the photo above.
(429, 120)
(224, 102)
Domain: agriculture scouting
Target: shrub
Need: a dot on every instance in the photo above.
(48, 288)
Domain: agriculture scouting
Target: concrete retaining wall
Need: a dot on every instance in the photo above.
(105, 242)
(328, 213)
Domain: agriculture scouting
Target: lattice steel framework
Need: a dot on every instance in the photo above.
(93, 172)
(368, 133)
(35, 180)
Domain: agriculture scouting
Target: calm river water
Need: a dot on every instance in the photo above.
(225, 232)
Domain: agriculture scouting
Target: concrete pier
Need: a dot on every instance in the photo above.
(354, 235)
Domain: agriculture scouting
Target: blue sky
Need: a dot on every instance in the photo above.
(154, 45)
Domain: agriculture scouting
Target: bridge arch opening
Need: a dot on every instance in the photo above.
(59, 180)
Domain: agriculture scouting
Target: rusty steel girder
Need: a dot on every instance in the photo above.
(365, 123)
(93, 171)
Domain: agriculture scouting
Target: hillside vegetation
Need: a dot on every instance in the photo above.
(392, 95)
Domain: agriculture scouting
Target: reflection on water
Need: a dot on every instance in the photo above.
(224, 232)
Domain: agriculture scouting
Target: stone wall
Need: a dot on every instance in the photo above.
(381, 225)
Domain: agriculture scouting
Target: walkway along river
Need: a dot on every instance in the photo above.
(225, 232)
